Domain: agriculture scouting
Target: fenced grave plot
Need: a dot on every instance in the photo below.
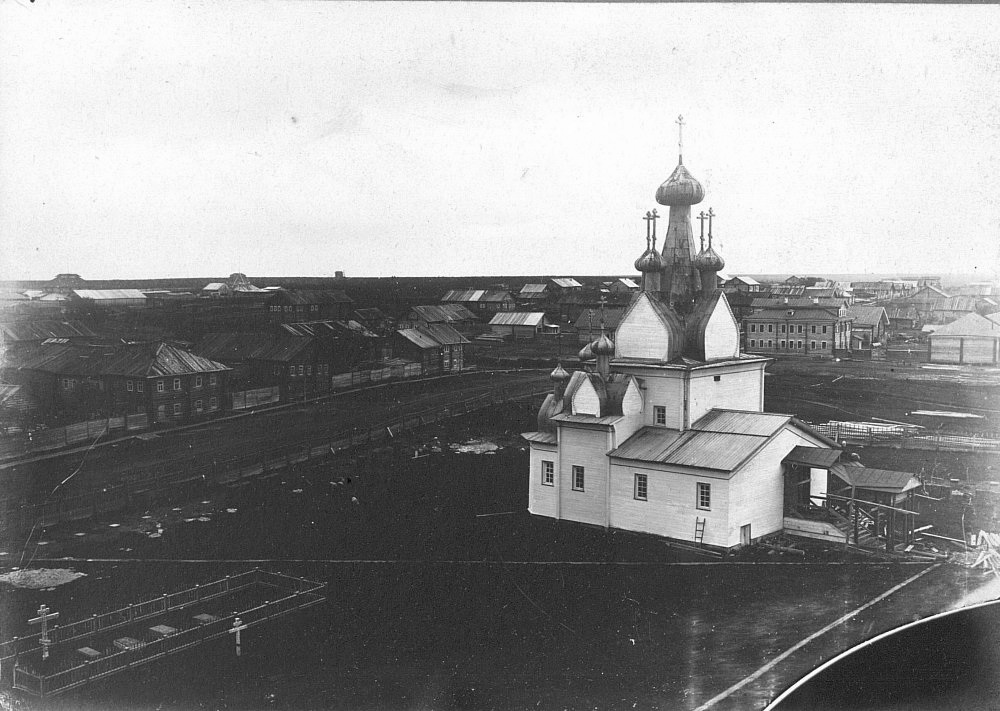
(78, 653)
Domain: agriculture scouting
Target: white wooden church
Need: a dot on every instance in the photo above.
(664, 430)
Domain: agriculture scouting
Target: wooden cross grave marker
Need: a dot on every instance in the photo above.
(43, 618)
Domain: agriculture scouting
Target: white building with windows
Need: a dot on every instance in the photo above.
(663, 430)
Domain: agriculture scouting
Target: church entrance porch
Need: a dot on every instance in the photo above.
(847, 502)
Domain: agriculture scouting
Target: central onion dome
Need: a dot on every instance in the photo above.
(680, 188)
(587, 352)
(603, 346)
(708, 260)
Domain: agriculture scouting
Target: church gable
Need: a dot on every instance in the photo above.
(632, 401)
(722, 333)
(586, 400)
(644, 334)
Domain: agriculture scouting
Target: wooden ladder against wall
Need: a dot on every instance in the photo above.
(699, 529)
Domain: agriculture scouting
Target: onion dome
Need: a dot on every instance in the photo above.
(603, 346)
(559, 375)
(708, 260)
(587, 352)
(650, 261)
(680, 189)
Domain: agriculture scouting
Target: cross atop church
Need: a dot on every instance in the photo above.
(680, 136)
(649, 220)
(701, 218)
(710, 216)
(654, 216)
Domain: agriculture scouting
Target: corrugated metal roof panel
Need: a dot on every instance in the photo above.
(533, 289)
(517, 318)
(159, 360)
(761, 424)
(418, 338)
(650, 444)
(567, 282)
(110, 294)
(714, 450)
(877, 479)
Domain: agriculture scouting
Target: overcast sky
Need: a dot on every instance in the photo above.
(154, 139)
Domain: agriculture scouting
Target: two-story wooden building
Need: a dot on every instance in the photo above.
(799, 328)
(294, 305)
(438, 348)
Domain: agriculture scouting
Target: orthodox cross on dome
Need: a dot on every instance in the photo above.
(680, 139)
(648, 219)
(603, 301)
(701, 218)
(654, 216)
(710, 216)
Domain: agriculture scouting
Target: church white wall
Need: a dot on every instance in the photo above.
(722, 334)
(735, 390)
(663, 388)
(587, 448)
(670, 508)
(542, 499)
(758, 488)
(585, 400)
(641, 334)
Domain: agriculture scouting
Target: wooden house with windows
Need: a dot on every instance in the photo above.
(480, 301)
(299, 366)
(662, 430)
(454, 315)
(799, 328)
(438, 348)
(521, 325)
(170, 385)
(870, 326)
(294, 305)
(63, 379)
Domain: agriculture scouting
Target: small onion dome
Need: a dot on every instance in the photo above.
(603, 346)
(680, 189)
(708, 260)
(587, 352)
(559, 374)
(650, 261)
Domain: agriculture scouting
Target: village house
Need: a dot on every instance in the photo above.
(438, 348)
(869, 327)
(622, 286)
(799, 327)
(215, 290)
(902, 318)
(521, 325)
(561, 285)
(531, 293)
(481, 302)
(109, 298)
(454, 315)
(744, 283)
(167, 383)
(294, 305)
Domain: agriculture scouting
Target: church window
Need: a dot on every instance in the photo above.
(800, 328)
(813, 328)
(548, 473)
(812, 344)
(753, 343)
(577, 478)
(641, 487)
(717, 378)
(704, 496)
(782, 344)
(660, 414)
(770, 327)
(753, 328)
(782, 328)
(824, 345)
(770, 343)
(799, 344)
